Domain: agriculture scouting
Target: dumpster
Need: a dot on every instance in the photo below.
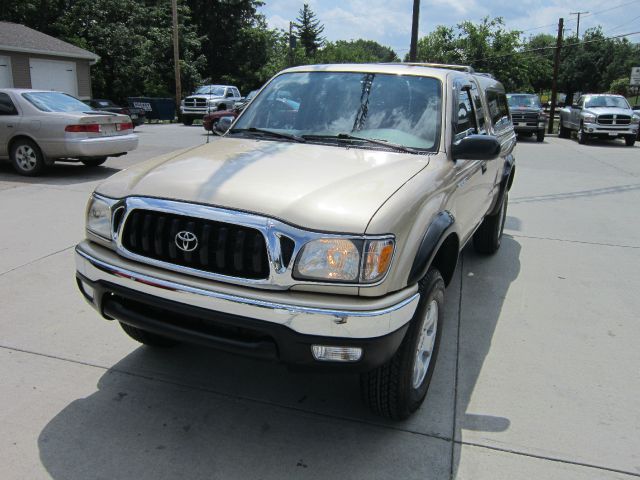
(155, 108)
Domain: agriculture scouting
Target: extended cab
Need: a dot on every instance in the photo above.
(319, 231)
(601, 116)
(206, 99)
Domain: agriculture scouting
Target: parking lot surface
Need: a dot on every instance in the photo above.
(538, 375)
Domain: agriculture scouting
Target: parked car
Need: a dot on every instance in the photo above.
(602, 116)
(206, 99)
(38, 128)
(321, 236)
(137, 115)
(210, 120)
(527, 115)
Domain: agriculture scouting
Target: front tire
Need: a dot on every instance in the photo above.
(148, 338)
(188, 121)
(564, 132)
(582, 136)
(27, 158)
(540, 136)
(630, 140)
(488, 237)
(397, 388)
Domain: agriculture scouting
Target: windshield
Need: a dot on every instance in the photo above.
(523, 101)
(210, 90)
(606, 101)
(55, 102)
(399, 109)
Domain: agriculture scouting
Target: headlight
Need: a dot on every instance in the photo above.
(213, 102)
(182, 103)
(589, 117)
(99, 217)
(344, 260)
(635, 119)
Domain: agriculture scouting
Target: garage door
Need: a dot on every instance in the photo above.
(54, 75)
(6, 77)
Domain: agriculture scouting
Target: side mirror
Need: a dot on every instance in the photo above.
(223, 124)
(476, 147)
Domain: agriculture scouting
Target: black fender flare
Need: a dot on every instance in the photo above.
(436, 233)
(505, 183)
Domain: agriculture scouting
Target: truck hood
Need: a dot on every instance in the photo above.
(609, 111)
(205, 97)
(328, 188)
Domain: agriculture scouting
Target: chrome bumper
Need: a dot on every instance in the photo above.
(612, 130)
(101, 146)
(357, 317)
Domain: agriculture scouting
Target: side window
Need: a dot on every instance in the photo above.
(498, 109)
(479, 109)
(6, 105)
(236, 92)
(466, 124)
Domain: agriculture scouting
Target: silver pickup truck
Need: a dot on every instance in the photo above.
(600, 116)
(206, 99)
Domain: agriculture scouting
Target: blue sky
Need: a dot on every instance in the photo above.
(389, 21)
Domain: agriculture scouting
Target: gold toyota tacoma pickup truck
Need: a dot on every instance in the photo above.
(319, 231)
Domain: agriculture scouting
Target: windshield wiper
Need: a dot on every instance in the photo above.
(348, 136)
(272, 133)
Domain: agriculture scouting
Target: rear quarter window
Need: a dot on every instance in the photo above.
(498, 109)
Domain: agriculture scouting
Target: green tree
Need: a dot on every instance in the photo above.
(309, 30)
(439, 46)
(134, 45)
(355, 51)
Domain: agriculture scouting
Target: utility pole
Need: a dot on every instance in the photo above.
(556, 67)
(578, 26)
(413, 51)
(291, 46)
(176, 52)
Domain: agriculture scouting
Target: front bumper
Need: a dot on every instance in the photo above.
(528, 127)
(101, 146)
(197, 112)
(236, 319)
(610, 130)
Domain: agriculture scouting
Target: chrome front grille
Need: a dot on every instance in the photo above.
(609, 119)
(213, 247)
(195, 102)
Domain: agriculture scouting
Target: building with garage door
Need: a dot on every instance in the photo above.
(31, 59)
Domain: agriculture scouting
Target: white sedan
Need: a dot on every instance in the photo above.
(38, 128)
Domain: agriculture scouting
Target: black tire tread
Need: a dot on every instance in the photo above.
(381, 388)
(486, 240)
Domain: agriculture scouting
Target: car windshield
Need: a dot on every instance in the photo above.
(399, 109)
(523, 101)
(210, 90)
(103, 103)
(606, 101)
(55, 102)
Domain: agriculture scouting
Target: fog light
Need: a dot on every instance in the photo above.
(87, 290)
(336, 354)
(591, 129)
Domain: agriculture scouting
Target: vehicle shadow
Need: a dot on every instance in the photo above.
(196, 413)
(485, 286)
(58, 174)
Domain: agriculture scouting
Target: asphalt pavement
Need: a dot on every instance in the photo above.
(538, 375)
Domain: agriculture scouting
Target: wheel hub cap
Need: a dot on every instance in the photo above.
(426, 343)
(26, 157)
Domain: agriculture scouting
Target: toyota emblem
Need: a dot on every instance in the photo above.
(186, 241)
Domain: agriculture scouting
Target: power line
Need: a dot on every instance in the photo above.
(623, 24)
(583, 16)
(554, 47)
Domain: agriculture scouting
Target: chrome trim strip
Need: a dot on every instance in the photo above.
(280, 276)
(178, 287)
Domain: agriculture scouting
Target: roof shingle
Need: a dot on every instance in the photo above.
(19, 38)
